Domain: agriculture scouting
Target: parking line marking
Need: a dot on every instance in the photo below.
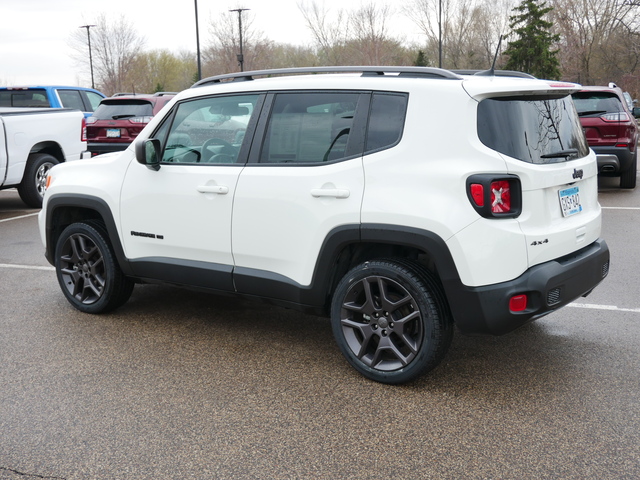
(603, 307)
(620, 208)
(18, 218)
(27, 267)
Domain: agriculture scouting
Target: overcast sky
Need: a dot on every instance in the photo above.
(35, 34)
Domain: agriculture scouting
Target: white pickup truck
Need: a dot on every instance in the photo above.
(34, 140)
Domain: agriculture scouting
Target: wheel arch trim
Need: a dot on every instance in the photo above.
(82, 207)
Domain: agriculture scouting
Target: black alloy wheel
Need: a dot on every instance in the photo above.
(391, 321)
(87, 270)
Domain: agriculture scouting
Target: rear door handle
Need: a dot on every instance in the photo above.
(219, 189)
(330, 192)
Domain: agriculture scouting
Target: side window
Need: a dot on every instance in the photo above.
(309, 127)
(208, 130)
(71, 99)
(94, 101)
(386, 121)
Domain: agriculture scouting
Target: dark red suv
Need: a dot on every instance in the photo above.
(118, 120)
(611, 131)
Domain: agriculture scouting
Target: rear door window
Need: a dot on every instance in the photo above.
(310, 127)
(533, 129)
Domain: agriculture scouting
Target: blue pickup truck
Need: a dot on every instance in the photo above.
(79, 98)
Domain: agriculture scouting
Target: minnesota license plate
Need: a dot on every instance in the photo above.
(570, 201)
(113, 133)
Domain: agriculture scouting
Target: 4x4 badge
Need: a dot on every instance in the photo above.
(577, 173)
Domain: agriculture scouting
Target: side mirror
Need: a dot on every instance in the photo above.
(636, 112)
(148, 153)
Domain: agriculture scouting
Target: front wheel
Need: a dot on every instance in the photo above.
(391, 321)
(87, 271)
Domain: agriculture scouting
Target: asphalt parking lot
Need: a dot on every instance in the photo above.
(183, 385)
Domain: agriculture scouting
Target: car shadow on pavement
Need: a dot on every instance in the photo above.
(532, 358)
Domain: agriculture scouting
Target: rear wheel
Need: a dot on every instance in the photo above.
(34, 181)
(87, 271)
(628, 179)
(390, 320)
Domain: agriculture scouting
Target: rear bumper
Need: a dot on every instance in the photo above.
(613, 160)
(99, 148)
(549, 286)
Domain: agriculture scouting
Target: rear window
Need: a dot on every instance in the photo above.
(597, 103)
(123, 110)
(532, 129)
(35, 97)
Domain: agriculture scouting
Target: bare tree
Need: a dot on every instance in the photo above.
(221, 55)
(161, 70)
(599, 39)
(371, 43)
(330, 31)
(114, 47)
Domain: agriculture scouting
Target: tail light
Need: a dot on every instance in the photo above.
(83, 133)
(615, 117)
(495, 196)
(145, 120)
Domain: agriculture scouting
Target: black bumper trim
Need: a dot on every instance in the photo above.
(549, 286)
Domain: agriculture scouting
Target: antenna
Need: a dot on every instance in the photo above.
(492, 70)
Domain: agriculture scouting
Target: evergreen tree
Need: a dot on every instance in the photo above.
(531, 51)
(421, 59)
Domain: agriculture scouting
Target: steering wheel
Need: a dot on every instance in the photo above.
(227, 149)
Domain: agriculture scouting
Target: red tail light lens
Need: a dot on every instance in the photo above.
(500, 196)
(83, 133)
(495, 196)
(477, 194)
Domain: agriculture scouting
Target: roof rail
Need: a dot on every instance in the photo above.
(497, 73)
(426, 72)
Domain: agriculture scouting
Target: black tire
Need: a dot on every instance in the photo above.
(628, 179)
(87, 270)
(391, 321)
(34, 180)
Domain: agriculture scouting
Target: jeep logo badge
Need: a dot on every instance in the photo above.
(577, 173)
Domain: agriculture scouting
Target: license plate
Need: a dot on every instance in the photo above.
(570, 201)
(113, 133)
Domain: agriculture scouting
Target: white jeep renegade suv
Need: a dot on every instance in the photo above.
(397, 200)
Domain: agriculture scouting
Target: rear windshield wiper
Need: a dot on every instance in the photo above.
(561, 153)
(591, 112)
(118, 117)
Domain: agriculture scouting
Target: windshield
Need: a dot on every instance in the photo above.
(123, 110)
(532, 129)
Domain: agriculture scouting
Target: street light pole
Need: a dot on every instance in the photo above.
(90, 57)
(198, 42)
(440, 34)
(240, 56)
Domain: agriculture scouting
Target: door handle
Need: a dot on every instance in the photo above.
(219, 189)
(330, 192)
